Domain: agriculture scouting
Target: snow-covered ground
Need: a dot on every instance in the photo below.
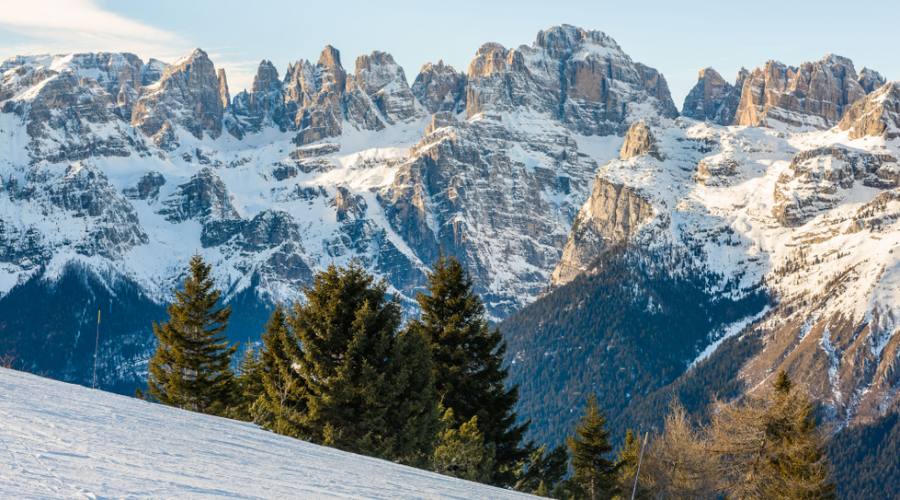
(65, 441)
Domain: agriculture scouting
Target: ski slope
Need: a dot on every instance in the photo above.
(59, 440)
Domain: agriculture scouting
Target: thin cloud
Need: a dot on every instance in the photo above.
(67, 26)
(64, 26)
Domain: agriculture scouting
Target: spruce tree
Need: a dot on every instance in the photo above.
(279, 406)
(191, 368)
(249, 384)
(337, 372)
(593, 473)
(468, 366)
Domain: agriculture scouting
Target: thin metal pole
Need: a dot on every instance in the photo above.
(96, 347)
(640, 459)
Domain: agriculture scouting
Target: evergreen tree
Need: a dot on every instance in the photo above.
(627, 462)
(771, 448)
(337, 372)
(249, 384)
(544, 470)
(191, 368)
(414, 415)
(461, 451)
(279, 405)
(468, 366)
(593, 473)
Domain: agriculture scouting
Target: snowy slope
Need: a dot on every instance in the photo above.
(65, 441)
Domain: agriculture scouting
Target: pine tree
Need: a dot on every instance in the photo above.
(461, 451)
(191, 368)
(771, 448)
(593, 473)
(468, 366)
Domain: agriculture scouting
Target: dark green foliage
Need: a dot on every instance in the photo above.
(468, 365)
(624, 332)
(592, 471)
(544, 470)
(249, 384)
(337, 372)
(191, 368)
(279, 404)
(865, 459)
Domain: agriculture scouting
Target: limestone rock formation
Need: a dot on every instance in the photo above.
(638, 141)
(383, 83)
(439, 87)
(611, 215)
(264, 104)
(876, 115)
(205, 197)
(817, 180)
(712, 98)
(187, 95)
(314, 95)
(813, 95)
(581, 77)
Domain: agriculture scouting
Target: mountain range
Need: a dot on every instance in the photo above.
(623, 247)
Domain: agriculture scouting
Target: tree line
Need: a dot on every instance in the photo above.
(341, 369)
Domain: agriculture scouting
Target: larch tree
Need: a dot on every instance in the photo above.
(191, 368)
(770, 447)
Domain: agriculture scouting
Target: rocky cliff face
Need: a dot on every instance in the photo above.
(876, 115)
(812, 95)
(809, 218)
(713, 99)
(440, 88)
(187, 96)
(581, 77)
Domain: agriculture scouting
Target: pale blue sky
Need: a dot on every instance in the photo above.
(676, 37)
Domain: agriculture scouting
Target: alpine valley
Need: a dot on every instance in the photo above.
(622, 246)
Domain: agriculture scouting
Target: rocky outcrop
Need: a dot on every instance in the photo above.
(638, 141)
(583, 78)
(870, 80)
(380, 81)
(876, 115)
(816, 180)
(85, 193)
(203, 198)
(612, 215)
(314, 96)
(712, 98)
(147, 187)
(452, 198)
(188, 96)
(439, 87)
(813, 95)
(264, 104)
